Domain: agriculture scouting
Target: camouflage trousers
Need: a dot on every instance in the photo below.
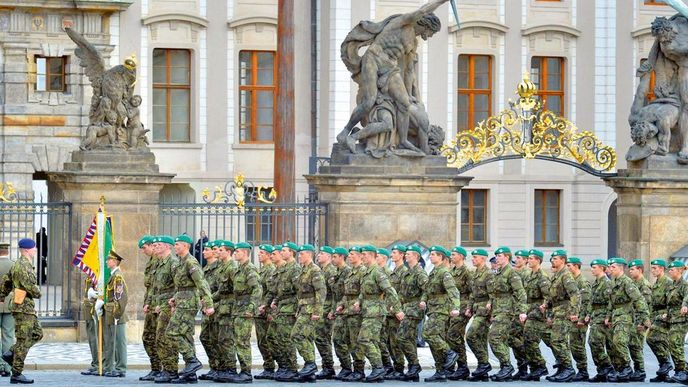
(392, 327)
(456, 336)
(340, 342)
(181, 331)
(435, 334)
(620, 334)
(242, 339)
(501, 339)
(226, 343)
(302, 336)
(658, 340)
(323, 340)
(636, 343)
(27, 331)
(517, 342)
(599, 341)
(149, 338)
(476, 338)
(353, 327)
(279, 339)
(677, 334)
(167, 348)
(209, 340)
(368, 338)
(406, 336)
(534, 331)
(561, 326)
(577, 336)
(262, 326)
(382, 343)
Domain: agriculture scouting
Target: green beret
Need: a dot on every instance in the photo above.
(267, 248)
(599, 262)
(678, 264)
(618, 261)
(184, 238)
(165, 239)
(560, 252)
(341, 251)
(521, 253)
(146, 239)
(416, 249)
(384, 252)
(482, 252)
(574, 260)
(291, 246)
(326, 249)
(368, 248)
(209, 244)
(658, 262)
(401, 248)
(536, 253)
(306, 247)
(637, 262)
(355, 248)
(502, 250)
(224, 243)
(440, 250)
(460, 250)
(243, 245)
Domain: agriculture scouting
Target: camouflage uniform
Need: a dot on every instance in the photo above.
(412, 285)
(323, 327)
(537, 289)
(658, 334)
(88, 311)
(636, 342)
(284, 318)
(678, 298)
(564, 301)
(476, 336)
(508, 298)
(441, 296)
(457, 325)
(340, 334)
(352, 290)
(163, 290)
(624, 301)
(517, 333)
(311, 293)
(392, 323)
(225, 347)
(579, 332)
(247, 293)
(114, 320)
(150, 321)
(599, 338)
(266, 272)
(209, 331)
(382, 340)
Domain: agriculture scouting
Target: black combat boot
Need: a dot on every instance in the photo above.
(308, 369)
(288, 376)
(439, 376)
(208, 376)
(680, 376)
(621, 376)
(461, 373)
(504, 373)
(581, 376)
(395, 375)
(660, 379)
(325, 374)
(163, 377)
(189, 378)
(376, 375)
(449, 359)
(664, 368)
(522, 373)
(343, 373)
(356, 376)
(602, 374)
(267, 374)
(565, 376)
(243, 378)
(480, 373)
(638, 376)
(19, 379)
(192, 365)
(537, 373)
(412, 375)
(94, 372)
(224, 375)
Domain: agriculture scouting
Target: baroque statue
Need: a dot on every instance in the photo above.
(382, 57)
(114, 114)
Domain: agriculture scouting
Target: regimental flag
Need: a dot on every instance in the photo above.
(92, 253)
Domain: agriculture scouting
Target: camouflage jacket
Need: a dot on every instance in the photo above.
(287, 288)
(564, 296)
(336, 283)
(395, 277)
(211, 274)
(377, 294)
(440, 293)
(149, 280)
(626, 299)
(678, 298)
(223, 298)
(584, 290)
(352, 289)
(660, 298)
(644, 287)
(116, 299)
(266, 274)
(311, 290)
(189, 285)
(507, 295)
(600, 292)
(462, 280)
(163, 282)
(480, 297)
(22, 275)
(328, 271)
(247, 290)
(5, 266)
(537, 289)
(413, 283)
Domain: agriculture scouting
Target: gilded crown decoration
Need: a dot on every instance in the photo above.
(239, 192)
(7, 193)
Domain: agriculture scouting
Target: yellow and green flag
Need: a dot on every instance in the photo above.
(95, 248)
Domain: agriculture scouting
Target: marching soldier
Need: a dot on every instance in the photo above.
(266, 271)
(209, 332)
(225, 348)
(579, 329)
(457, 325)
(150, 320)
(340, 336)
(352, 291)
(476, 336)
(382, 341)
(520, 262)
(599, 339)
(535, 329)
(90, 317)
(411, 290)
(7, 321)
(677, 309)
(658, 334)
(441, 300)
(624, 301)
(507, 297)
(114, 328)
(391, 323)
(285, 306)
(636, 342)
(323, 326)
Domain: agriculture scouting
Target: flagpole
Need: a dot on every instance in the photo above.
(100, 229)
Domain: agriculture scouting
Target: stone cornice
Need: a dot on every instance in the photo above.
(85, 5)
(641, 31)
(235, 23)
(551, 28)
(490, 25)
(165, 17)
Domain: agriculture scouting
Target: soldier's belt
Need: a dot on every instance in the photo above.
(372, 297)
(560, 303)
(536, 301)
(411, 299)
(306, 296)
(481, 299)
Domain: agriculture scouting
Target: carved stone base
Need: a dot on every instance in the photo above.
(657, 162)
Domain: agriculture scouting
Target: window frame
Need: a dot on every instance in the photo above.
(48, 74)
(542, 90)
(468, 239)
(252, 89)
(471, 91)
(168, 95)
(540, 240)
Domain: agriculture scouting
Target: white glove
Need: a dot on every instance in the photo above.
(99, 307)
(92, 294)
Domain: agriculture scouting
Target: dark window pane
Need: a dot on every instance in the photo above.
(551, 235)
(159, 75)
(265, 99)
(553, 198)
(159, 57)
(479, 117)
(179, 58)
(479, 198)
(554, 65)
(264, 117)
(56, 66)
(264, 133)
(553, 81)
(554, 103)
(464, 214)
(179, 75)
(56, 83)
(464, 198)
(478, 233)
(478, 215)
(481, 102)
(465, 234)
(463, 63)
(538, 232)
(535, 67)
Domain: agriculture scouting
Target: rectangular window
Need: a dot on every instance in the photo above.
(50, 73)
(171, 95)
(475, 90)
(547, 210)
(474, 216)
(547, 73)
(257, 96)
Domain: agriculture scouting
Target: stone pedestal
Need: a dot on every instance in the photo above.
(381, 201)
(131, 184)
(652, 208)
